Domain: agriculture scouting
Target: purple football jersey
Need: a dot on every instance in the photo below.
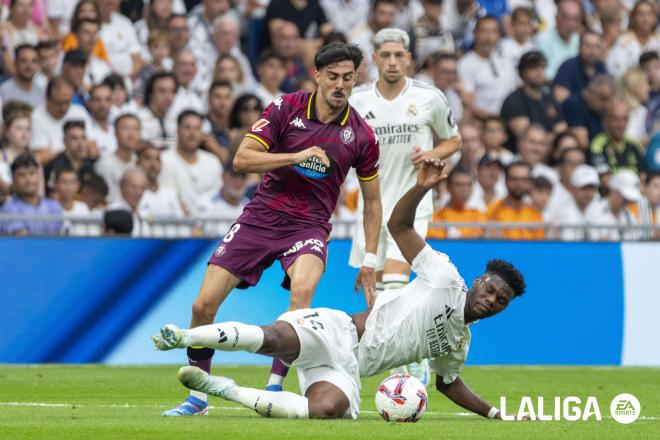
(308, 192)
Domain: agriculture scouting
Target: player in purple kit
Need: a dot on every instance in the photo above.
(305, 143)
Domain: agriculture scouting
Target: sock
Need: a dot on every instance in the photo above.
(283, 404)
(395, 280)
(379, 287)
(278, 372)
(200, 357)
(227, 336)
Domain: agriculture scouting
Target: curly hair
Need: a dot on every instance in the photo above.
(509, 274)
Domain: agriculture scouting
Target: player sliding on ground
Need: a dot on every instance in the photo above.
(428, 318)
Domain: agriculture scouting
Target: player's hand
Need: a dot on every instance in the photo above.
(314, 151)
(367, 279)
(417, 156)
(431, 173)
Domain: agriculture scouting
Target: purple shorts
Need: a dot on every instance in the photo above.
(250, 248)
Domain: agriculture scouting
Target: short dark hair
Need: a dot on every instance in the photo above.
(648, 56)
(516, 163)
(25, 160)
(650, 176)
(175, 16)
(524, 11)
(95, 183)
(21, 48)
(57, 81)
(125, 116)
(239, 103)
(565, 151)
(496, 119)
(375, 4)
(113, 80)
(118, 221)
(336, 52)
(78, 24)
(437, 57)
(186, 113)
(458, 170)
(269, 54)
(542, 182)
(96, 87)
(72, 123)
(530, 60)
(219, 84)
(509, 275)
(63, 170)
(486, 18)
(151, 84)
(48, 44)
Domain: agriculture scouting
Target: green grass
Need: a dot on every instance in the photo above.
(100, 402)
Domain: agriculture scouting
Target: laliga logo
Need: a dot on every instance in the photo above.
(625, 408)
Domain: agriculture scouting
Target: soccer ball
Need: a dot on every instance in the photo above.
(401, 398)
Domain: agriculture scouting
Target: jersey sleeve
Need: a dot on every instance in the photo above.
(449, 367)
(435, 268)
(267, 129)
(442, 119)
(367, 163)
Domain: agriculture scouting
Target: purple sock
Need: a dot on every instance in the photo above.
(279, 368)
(201, 357)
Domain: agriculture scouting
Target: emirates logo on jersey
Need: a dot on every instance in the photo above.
(347, 135)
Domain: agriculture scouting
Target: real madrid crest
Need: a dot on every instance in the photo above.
(347, 135)
(412, 110)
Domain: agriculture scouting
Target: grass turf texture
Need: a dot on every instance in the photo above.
(100, 402)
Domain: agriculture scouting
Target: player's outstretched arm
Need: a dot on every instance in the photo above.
(459, 393)
(252, 157)
(402, 220)
(373, 217)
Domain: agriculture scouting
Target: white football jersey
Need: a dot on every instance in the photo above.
(400, 124)
(422, 320)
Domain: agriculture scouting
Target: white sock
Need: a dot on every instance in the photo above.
(227, 336)
(395, 280)
(275, 379)
(379, 287)
(283, 404)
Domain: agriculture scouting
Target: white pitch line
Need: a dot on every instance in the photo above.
(227, 408)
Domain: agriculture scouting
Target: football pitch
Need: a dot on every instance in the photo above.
(103, 402)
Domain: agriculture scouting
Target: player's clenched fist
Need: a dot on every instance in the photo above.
(314, 151)
(430, 173)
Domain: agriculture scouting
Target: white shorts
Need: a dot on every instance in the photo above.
(387, 248)
(328, 352)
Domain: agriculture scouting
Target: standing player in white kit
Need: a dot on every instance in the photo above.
(404, 114)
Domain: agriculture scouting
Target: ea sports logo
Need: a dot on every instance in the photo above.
(625, 408)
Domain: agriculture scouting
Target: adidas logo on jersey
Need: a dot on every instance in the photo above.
(297, 122)
(369, 115)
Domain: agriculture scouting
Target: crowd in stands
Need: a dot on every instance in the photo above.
(130, 112)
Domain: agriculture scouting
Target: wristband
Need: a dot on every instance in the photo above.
(370, 260)
(492, 412)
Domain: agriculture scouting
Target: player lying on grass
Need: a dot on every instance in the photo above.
(428, 318)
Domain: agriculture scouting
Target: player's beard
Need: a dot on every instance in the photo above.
(332, 103)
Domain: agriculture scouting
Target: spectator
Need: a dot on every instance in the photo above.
(444, 69)
(461, 17)
(247, 109)
(286, 41)
(187, 168)
(613, 210)
(158, 200)
(226, 38)
(226, 204)
(179, 33)
(584, 111)
(457, 209)
(48, 53)
(652, 195)
(494, 137)
(534, 149)
(489, 186)
(185, 69)
(63, 13)
(132, 187)
(227, 68)
(84, 10)
(381, 16)
(156, 15)
(487, 79)
(541, 192)
(75, 155)
(635, 92)
(641, 37)
(307, 15)
(429, 35)
(17, 31)
(271, 76)
(520, 41)
(48, 139)
(221, 100)
(569, 160)
(573, 214)
(101, 131)
(156, 118)
(652, 161)
(117, 222)
(22, 85)
(119, 38)
(513, 208)
(650, 63)
(94, 192)
(473, 147)
(73, 70)
(121, 100)
(201, 21)
(159, 61)
(611, 150)
(561, 42)
(533, 102)
(346, 15)
(113, 166)
(14, 142)
(575, 73)
(67, 186)
(26, 200)
(97, 68)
